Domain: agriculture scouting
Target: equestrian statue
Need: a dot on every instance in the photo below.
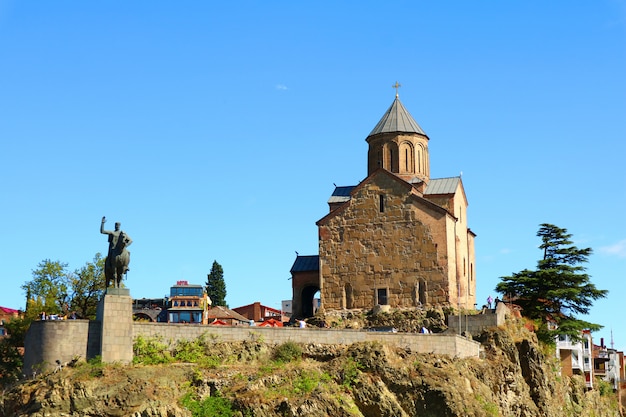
(118, 257)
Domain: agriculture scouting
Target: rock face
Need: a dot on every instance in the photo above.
(515, 378)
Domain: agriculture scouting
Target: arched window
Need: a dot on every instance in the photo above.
(391, 157)
(407, 164)
(406, 159)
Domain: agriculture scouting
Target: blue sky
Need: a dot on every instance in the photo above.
(215, 131)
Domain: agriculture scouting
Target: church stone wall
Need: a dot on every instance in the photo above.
(401, 249)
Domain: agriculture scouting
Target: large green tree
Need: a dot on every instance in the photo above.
(48, 290)
(216, 286)
(558, 290)
(56, 290)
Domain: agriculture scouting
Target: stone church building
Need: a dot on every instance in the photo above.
(399, 238)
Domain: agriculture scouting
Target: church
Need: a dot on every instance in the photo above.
(398, 238)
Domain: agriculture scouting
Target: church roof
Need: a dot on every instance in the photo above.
(306, 263)
(435, 186)
(397, 119)
(442, 185)
(341, 194)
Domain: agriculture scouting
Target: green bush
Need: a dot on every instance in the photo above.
(192, 351)
(287, 352)
(216, 406)
(95, 366)
(604, 387)
(350, 372)
(307, 381)
(150, 351)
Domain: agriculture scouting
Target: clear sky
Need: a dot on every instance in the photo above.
(215, 131)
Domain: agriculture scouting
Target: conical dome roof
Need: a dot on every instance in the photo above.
(397, 119)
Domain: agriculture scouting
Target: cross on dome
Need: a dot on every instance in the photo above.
(396, 86)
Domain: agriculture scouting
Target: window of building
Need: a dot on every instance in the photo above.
(381, 203)
(381, 296)
(406, 160)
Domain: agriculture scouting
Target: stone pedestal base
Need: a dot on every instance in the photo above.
(115, 313)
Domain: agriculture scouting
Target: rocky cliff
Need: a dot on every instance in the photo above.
(256, 378)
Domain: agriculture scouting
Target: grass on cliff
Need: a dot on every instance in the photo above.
(153, 351)
(214, 406)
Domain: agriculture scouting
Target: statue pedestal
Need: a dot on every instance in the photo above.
(115, 313)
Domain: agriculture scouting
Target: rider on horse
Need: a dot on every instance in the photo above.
(118, 258)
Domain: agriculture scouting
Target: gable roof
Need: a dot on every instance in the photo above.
(221, 313)
(442, 186)
(306, 263)
(435, 186)
(8, 310)
(341, 194)
(397, 119)
(261, 306)
(380, 171)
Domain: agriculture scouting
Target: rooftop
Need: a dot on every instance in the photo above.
(397, 119)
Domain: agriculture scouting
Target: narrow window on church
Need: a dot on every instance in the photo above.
(381, 203)
(423, 291)
(406, 160)
(419, 160)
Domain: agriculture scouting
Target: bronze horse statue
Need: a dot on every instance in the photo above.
(116, 263)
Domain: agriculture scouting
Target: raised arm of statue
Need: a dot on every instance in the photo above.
(104, 232)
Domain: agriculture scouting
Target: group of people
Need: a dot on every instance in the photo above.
(71, 316)
(491, 300)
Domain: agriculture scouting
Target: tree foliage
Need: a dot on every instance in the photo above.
(216, 286)
(53, 289)
(56, 290)
(87, 286)
(48, 290)
(11, 359)
(558, 290)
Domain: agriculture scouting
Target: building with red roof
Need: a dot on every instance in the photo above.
(7, 314)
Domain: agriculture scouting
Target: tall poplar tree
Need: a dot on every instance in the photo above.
(216, 286)
(558, 290)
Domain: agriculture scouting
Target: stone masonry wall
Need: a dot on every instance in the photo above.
(400, 249)
(453, 345)
(477, 323)
(62, 340)
(115, 313)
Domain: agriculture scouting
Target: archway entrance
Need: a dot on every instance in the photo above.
(309, 306)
